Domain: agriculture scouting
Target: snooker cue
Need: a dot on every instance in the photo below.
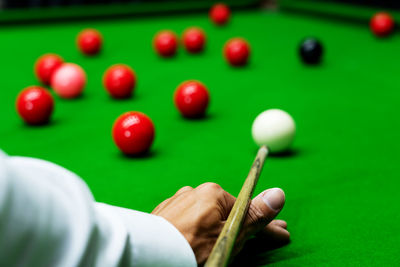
(220, 254)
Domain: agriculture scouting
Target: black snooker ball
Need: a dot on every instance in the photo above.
(311, 51)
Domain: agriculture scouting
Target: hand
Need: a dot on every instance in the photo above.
(200, 213)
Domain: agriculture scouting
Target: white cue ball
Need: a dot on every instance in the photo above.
(274, 128)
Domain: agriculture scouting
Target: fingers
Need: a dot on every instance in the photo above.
(212, 191)
(275, 232)
(165, 202)
(263, 209)
(183, 190)
(273, 236)
(280, 223)
(228, 202)
(160, 206)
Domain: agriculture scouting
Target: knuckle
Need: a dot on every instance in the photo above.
(185, 188)
(211, 187)
(210, 193)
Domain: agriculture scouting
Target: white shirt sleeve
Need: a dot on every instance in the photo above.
(48, 217)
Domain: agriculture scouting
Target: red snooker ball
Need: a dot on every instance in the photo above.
(45, 67)
(35, 105)
(133, 133)
(165, 43)
(194, 39)
(89, 41)
(237, 52)
(68, 81)
(220, 13)
(191, 98)
(119, 81)
(382, 24)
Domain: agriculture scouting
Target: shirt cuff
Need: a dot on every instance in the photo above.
(153, 241)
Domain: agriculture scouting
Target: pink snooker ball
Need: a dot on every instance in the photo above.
(68, 81)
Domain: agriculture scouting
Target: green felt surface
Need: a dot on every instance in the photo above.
(341, 179)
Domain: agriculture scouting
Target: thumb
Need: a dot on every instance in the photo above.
(263, 209)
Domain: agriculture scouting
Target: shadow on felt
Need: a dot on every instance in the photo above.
(146, 155)
(293, 152)
(258, 252)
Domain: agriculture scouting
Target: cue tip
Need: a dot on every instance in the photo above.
(264, 149)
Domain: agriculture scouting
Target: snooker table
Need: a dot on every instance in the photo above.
(341, 177)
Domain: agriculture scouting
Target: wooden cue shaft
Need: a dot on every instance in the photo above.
(220, 254)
